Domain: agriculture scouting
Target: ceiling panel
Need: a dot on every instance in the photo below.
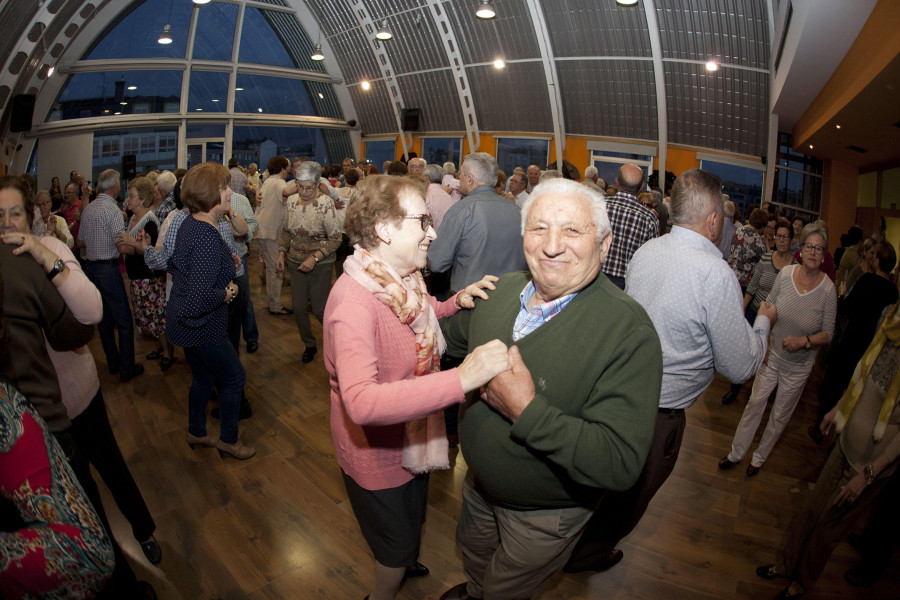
(610, 98)
(725, 110)
(729, 31)
(510, 35)
(511, 99)
(374, 109)
(333, 16)
(434, 93)
(354, 54)
(591, 28)
(416, 45)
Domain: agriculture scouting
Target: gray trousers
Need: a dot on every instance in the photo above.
(269, 248)
(312, 288)
(508, 554)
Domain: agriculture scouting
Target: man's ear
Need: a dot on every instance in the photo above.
(711, 232)
(605, 243)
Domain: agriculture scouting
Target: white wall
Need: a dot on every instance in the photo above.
(60, 154)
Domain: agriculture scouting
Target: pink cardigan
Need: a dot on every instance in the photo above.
(370, 358)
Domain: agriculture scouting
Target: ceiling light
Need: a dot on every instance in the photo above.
(132, 87)
(215, 99)
(499, 63)
(837, 126)
(365, 84)
(317, 53)
(106, 111)
(383, 32)
(810, 146)
(239, 89)
(321, 96)
(201, 1)
(626, 2)
(117, 113)
(259, 109)
(50, 71)
(123, 103)
(166, 37)
(485, 11)
(712, 66)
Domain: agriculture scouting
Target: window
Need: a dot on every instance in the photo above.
(744, 185)
(521, 152)
(215, 31)
(135, 35)
(145, 143)
(208, 92)
(798, 181)
(440, 150)
(377, 152)
(609, 161)
(103, 94)
(258, 39)
(259, 144)
(273, 95)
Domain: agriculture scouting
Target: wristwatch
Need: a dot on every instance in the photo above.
(58, 267)
(808, 343)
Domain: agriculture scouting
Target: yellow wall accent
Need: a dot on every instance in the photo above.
(679, 160)
(892, 233)
(890, 188)
(866, 195)
(839, 190)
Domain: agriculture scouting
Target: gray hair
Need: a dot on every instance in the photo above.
(571, 189)
(550, 174)
(729, 207)
(166, 182)
(813, 229)
(434, 173)
(693, 194)
(108, 180)
(309, 171)
(449, 168)
(482, 166)
(591, 172)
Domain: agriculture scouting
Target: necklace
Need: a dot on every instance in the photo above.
(803, 284)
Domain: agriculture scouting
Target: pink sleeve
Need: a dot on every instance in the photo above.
(352, 329)
(79, 294)
(447, 308)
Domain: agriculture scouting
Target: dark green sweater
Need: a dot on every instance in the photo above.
(597, 368)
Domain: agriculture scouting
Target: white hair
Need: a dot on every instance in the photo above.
(564, 187)
(449, 168)
(591, 172)
(166, 182)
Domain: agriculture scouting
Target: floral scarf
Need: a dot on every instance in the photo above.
(425, 445)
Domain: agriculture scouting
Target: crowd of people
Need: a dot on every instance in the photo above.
(455, 307)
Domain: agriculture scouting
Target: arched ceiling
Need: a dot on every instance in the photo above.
(573, 67)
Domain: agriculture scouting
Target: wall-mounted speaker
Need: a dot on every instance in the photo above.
(129, 166)
(409, 119)
(21, 113)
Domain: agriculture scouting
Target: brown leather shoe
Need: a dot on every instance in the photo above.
(458, 592)
(752, 471)
(725, 463)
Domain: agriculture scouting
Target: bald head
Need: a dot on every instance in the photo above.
(630, 179)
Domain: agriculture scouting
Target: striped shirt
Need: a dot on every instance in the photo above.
(160, 261)
(530, 319)
(764, 275)
(633, 224)
(100, 222)
(800, 315)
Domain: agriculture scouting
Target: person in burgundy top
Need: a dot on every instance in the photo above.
(382, 352)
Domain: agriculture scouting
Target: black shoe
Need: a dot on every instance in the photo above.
(458, 592)
(156, 354)
(151, 550)
(768, 572)
(752, 471)
(281, 311)
(724, 463)
(729, 397)
(252, 347)
(599, 563)
(860, 577)
(787, 594)
(416, 570)
(309, 354)
(165, 362)
(245, 413)
(143, 591)
(138, 369)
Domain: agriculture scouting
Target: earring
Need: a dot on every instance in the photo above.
(388, 242)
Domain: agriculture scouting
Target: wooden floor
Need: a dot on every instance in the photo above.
(278, 526)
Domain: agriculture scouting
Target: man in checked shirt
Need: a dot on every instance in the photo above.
(633, 224)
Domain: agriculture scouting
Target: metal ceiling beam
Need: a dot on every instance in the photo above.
(553, 91)
(662, 121)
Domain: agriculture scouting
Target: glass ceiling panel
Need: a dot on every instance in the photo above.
(208, 92)
(102, 94)
(135, 35)
(272, 95)
(259, 42)
(214, 38)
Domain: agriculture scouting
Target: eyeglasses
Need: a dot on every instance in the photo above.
(305, 188)
(73, 192)
(424, 219)
(782, 236)
(816, 249)
(44, 203)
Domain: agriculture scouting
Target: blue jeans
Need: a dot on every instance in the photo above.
(251, 331)
(116, 315)
(212, 364)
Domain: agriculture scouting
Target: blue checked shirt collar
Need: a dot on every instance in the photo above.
(529, 320)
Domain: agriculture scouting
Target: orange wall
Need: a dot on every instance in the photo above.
(679, 160)
(839, 188)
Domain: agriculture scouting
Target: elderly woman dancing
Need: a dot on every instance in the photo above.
(382, 351)
(806, 303)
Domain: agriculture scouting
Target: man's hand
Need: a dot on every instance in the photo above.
(510, 392)
(482, 365)
(769, 311)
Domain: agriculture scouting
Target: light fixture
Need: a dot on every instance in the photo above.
(499, 63)
(365, 84)
(117, 113)
(50, 71)
(626, 2)
(837, 126)
(166, 36)
(485, 11)
(712, 66)
(317, 53)
(383, 32)
(259, 109)
(132, 87)
(215, 99)
(123, 103)
(201, 1)
(321, 96)
(810, 146)
(239, 89)
(198, 109)
(106, 111)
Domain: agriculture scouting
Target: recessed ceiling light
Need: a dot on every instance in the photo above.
(321, 96)
(712, 66)
(132, 87)
(383, 32)
(837, 126)
(485, 11)
(365, 84)
(215, 99)
(499, 63)
(810, 146)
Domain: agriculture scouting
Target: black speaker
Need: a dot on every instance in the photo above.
(21, 112)
(410, 119)
(129, 166)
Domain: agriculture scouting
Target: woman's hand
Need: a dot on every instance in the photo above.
(30, 244)
(827, 424)
(793, 343)
(308, 265)
(466, 298)
(482, 365)
(141, 242)
(279, 263)
(850, 492)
